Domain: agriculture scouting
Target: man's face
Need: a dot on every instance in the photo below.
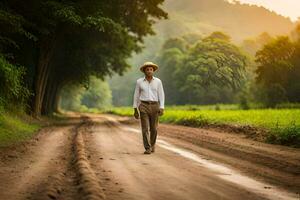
(148, 71)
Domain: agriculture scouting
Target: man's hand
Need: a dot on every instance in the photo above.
(136, 114)
(161, 112)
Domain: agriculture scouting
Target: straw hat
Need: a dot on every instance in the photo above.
(146, 64)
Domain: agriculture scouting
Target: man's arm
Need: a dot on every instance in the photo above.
(161, 96)
(135, 100)
(136, 95)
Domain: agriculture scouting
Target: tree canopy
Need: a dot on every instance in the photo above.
(199, 72)
(67, 41)
(278, 70)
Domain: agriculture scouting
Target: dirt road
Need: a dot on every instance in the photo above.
(93, 156)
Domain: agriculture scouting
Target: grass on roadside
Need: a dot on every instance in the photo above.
(14, 128)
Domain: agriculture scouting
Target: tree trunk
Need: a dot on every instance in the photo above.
(52, 96)
(48, 97)
(46, 51)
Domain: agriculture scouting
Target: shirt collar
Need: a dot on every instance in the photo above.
(146, 79)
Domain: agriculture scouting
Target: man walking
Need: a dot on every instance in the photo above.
(148, 104)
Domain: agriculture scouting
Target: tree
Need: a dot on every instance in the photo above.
(70, 98)
(293, 84)
(274, 64)
(213, 61)
(278, 70)
(169, 60)
(252, 45)
(208, 70)
(97, 37)
(76, 97)
(219, 35)
(98, 95)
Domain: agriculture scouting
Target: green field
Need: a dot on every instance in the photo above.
(282, 125)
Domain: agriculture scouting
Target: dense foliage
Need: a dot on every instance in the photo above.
(59, 42)
(278, 71)
(201, 71)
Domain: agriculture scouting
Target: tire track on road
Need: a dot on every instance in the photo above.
(89, 185)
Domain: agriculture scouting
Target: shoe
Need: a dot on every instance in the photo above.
(148, 151)
(153, 149)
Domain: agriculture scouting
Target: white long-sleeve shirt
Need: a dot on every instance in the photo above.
(149, 91)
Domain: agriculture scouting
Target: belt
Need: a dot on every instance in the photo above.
(150, 102)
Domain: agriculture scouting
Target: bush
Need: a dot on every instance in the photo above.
(275, 94)
(217, 107)
(288, 105)
(289, 135)
(12, 90)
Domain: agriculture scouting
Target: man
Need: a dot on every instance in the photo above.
(148, 104)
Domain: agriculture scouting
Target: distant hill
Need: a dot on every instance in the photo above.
(240, 21)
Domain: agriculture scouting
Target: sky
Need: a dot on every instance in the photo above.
(288, 8)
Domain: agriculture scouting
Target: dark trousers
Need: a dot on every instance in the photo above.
(149, 121)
